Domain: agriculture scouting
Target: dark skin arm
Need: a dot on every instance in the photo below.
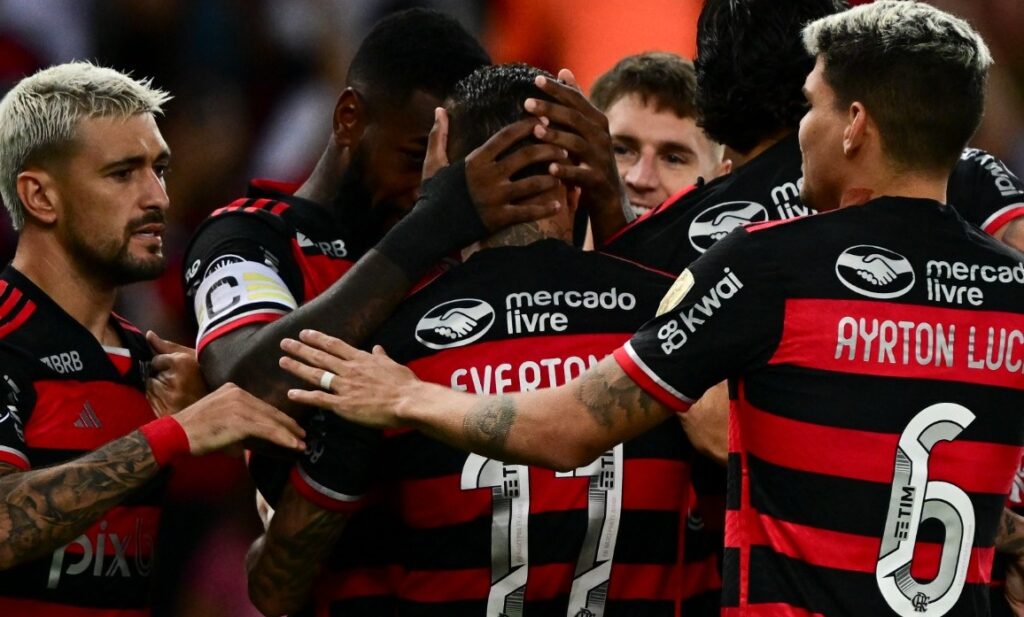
(582, 129)
(360, 301)
(283, 562)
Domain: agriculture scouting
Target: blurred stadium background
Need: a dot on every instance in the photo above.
(254, 83)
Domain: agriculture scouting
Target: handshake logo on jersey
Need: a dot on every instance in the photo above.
(874, 272)
(718, 221)
(455, 323)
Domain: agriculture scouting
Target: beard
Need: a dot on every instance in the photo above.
(355, 209)
(110, 260)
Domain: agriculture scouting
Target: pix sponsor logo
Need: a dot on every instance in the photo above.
(874, 271)
(110, 555)
(674, 333)
(455, 323)
(718, 221)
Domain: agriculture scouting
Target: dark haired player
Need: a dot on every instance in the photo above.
(525, 311)
(877, 427)
(289, 248)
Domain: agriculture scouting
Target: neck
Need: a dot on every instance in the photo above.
(321, 185)
(87, 300)
(740, 159)
(896, 184)
(521, 235)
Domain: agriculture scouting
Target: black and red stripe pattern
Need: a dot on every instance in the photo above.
(849, 339)
(537, 318)
(66, 395)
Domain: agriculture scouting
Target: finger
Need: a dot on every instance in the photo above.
(311, 355)
(276, 433)
(524, 213)
(577, 175)
(162, 362)
(504, 139)
(567, 140)
(316, 398)
(437, 145)
(567, 95)
(566, 76)
(301, 370)
(332, 345)
(530, 186)
(160, 345)
(530, 155)
(582, 122)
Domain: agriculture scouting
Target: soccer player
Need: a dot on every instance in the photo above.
(525, 311)
(750, 67)
(82, 456)
(292, 247)
(659, 149)
(876, 428)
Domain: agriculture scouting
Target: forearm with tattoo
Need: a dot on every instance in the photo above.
(44, 509)
(283, 563)
(562, 427)
(610, 396)
(1010, 534)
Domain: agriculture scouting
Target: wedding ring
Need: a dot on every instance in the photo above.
(325, 380)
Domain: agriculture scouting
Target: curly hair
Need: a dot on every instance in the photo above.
(751, 65)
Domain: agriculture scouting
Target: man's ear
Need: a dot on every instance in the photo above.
(38, 193)
(349, 118)
(857, 129)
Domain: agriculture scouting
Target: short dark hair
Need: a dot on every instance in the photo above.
(666, 80)
(414, 50)
(751, 66)
(486, 101)
(919, 71)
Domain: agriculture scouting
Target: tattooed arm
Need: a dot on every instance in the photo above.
(1010, 540)
(44, 509)
(560, 428)
(283, 563)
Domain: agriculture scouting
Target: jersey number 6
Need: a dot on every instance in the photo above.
(914, 499)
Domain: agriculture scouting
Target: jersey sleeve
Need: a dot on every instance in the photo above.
(984, 191)
(339, 463)
(722, 316)
(239, 271)
(17, 396)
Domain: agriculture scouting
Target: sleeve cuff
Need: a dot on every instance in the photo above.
(1001, 217)
(648, 381)
(321, 496)
(13, 457)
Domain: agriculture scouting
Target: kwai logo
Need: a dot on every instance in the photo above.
(874, 272)
(716, 222)
(455, 323)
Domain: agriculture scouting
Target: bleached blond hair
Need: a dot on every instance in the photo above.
(39, 117)
(919, 70)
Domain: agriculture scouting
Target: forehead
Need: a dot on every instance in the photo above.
(113, 138)
(630, 115)
(411, 120)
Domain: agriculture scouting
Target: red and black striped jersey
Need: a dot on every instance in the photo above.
(876, 360)
(252, 262)
(262, 256)
(767, 188)
(481, 537)
(64, 395)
